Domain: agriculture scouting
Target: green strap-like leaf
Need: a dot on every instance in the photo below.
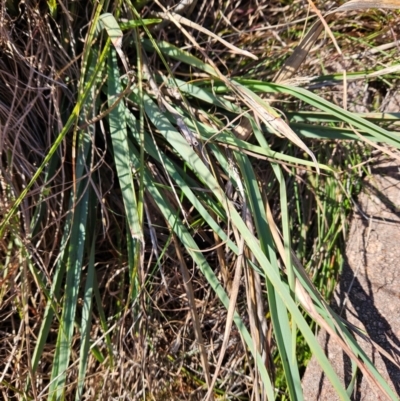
(119, 137)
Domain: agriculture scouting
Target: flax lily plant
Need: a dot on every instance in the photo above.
(164, 166)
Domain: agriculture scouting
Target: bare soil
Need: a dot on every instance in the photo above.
(368, 294)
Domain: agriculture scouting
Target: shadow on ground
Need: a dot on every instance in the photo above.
(368, 294)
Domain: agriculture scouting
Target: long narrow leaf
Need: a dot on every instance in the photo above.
(119, 138)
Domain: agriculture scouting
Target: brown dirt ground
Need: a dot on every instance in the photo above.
(368, 294)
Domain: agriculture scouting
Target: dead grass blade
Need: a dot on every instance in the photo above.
(193, 310)
(229, 318)
(300, 53)
(365, 4)
(325, 24)
(384, 149)
(308, 305)
(270, 117)
(184, 21)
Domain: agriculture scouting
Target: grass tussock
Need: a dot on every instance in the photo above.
(173, 219)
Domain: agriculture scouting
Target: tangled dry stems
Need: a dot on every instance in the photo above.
(154, 351)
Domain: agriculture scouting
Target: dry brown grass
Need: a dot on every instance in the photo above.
(155, 355)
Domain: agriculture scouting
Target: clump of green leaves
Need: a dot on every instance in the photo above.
(187, 184)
